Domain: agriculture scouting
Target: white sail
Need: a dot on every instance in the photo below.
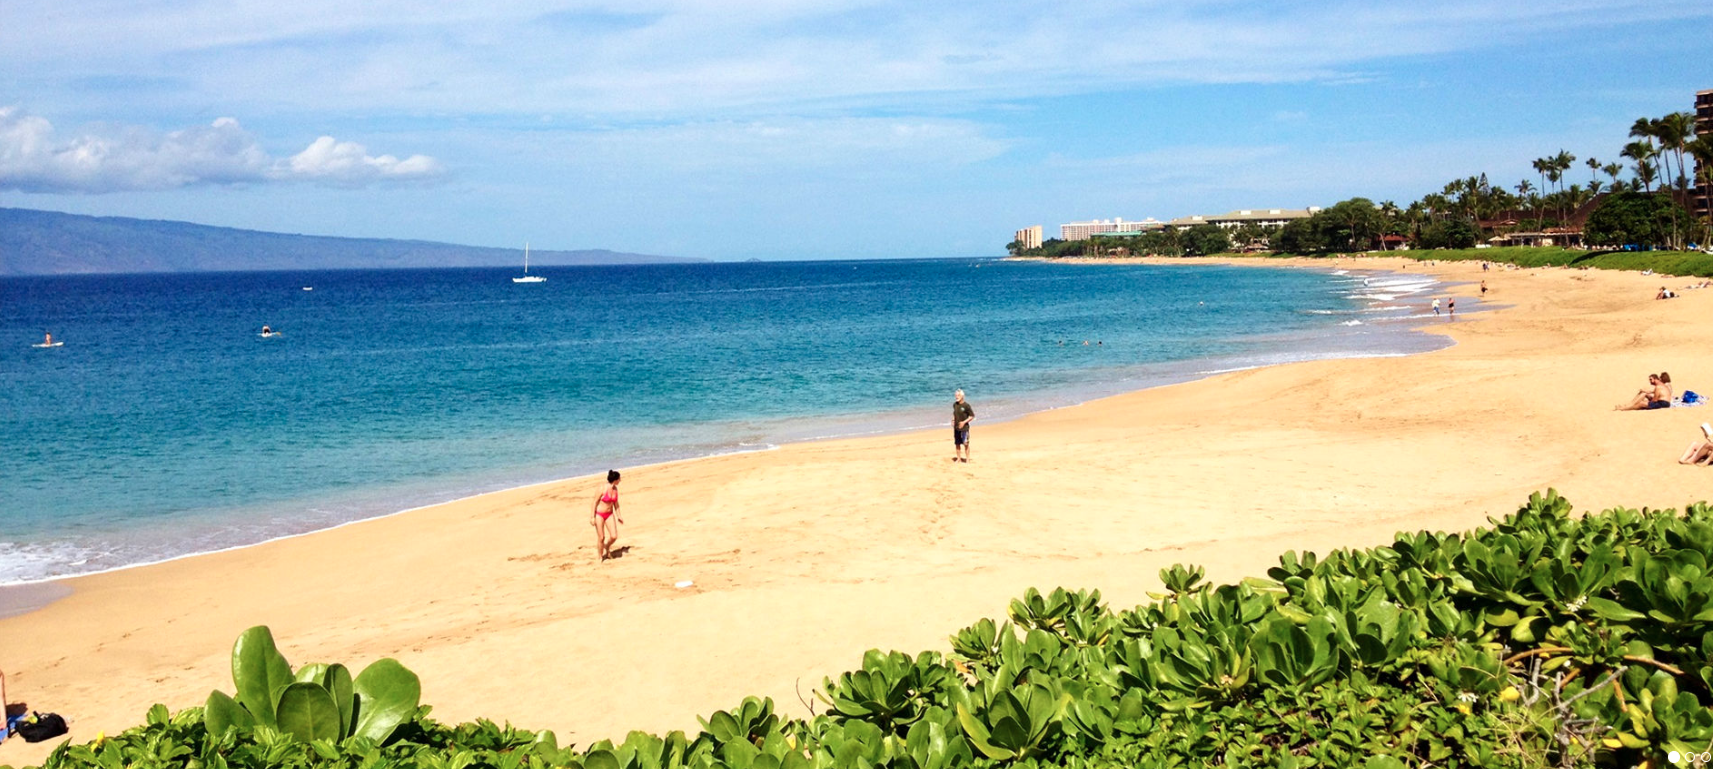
(528, 278)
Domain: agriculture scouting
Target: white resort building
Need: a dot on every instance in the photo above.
(1086, 230)
(1265, 217)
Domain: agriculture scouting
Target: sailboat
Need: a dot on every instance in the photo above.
(528, 278)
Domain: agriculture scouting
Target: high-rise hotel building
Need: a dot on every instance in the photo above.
(1703, 127)
(1029, 237)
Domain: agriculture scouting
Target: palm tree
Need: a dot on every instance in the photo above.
(1646, 173)
(1525, 191)
(1593, 170)
(1644, 130)
(1674, 132)
(1613, 170)
(1642, 152)
(1702, 150)
(1560, 164)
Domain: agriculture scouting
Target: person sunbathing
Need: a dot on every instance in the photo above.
(1657, 395)
(1699, 452)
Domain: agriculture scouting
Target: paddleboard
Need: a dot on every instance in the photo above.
(55, 344)
(271, 334)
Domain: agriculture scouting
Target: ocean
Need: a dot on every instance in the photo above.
(166, 425)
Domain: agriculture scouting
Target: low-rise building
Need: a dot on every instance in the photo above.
(1028, 237)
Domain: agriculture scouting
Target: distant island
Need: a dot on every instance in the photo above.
(51, 243)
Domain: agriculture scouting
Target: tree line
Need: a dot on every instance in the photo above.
(1642, 207)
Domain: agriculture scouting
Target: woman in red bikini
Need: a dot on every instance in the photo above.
(606, 518)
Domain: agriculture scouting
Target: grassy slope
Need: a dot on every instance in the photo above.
(1668, 262)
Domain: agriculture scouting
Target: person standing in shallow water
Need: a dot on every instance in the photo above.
(606, 518)
(962, 415)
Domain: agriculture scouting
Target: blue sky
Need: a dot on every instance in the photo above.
(783, 129)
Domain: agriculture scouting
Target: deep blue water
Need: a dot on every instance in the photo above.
(165, 425)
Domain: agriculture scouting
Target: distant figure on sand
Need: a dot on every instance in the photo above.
(1699, 452)
(1451, 307)
(1665, 293)
(962, 415)
(606, 518)
(1436, 305)
(1657, 395)
(1483, 288)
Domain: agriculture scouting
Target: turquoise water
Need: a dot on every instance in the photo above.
(166, 425)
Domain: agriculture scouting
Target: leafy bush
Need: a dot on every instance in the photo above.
(320, 702)
(1451, 233)
(1542, 640)
(1205, 240)
(1636, 218)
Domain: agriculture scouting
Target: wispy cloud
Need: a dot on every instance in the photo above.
(671, 59)
(34, 157)
(766, 146)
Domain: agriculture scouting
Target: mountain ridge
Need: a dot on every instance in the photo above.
(36, 242)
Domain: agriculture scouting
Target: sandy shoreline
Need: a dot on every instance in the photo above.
(34, 593)
(805, 556)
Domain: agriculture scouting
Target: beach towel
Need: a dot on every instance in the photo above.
(12, 723)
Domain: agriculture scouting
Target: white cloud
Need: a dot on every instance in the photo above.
(329, 160)
(34, 157)
(687, 59)
(814, 146)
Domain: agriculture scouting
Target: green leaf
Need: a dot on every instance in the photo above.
(222, 713)
(311, 673)
(979, 736)
(1009, 734)
(600, 759)
(387, 695)
(337, 681)
(260, 672)
(306, 711)
(1612, 611)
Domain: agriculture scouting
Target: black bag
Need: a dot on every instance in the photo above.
(41, 726)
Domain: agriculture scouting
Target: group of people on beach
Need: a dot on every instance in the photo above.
(605, 519)
(1659, 394)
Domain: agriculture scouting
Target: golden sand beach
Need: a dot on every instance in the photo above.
(804, 557)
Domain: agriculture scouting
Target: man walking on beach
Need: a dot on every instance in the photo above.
(1436, 305)
(962, 415)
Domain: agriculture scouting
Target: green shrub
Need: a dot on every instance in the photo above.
(1541, 640)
